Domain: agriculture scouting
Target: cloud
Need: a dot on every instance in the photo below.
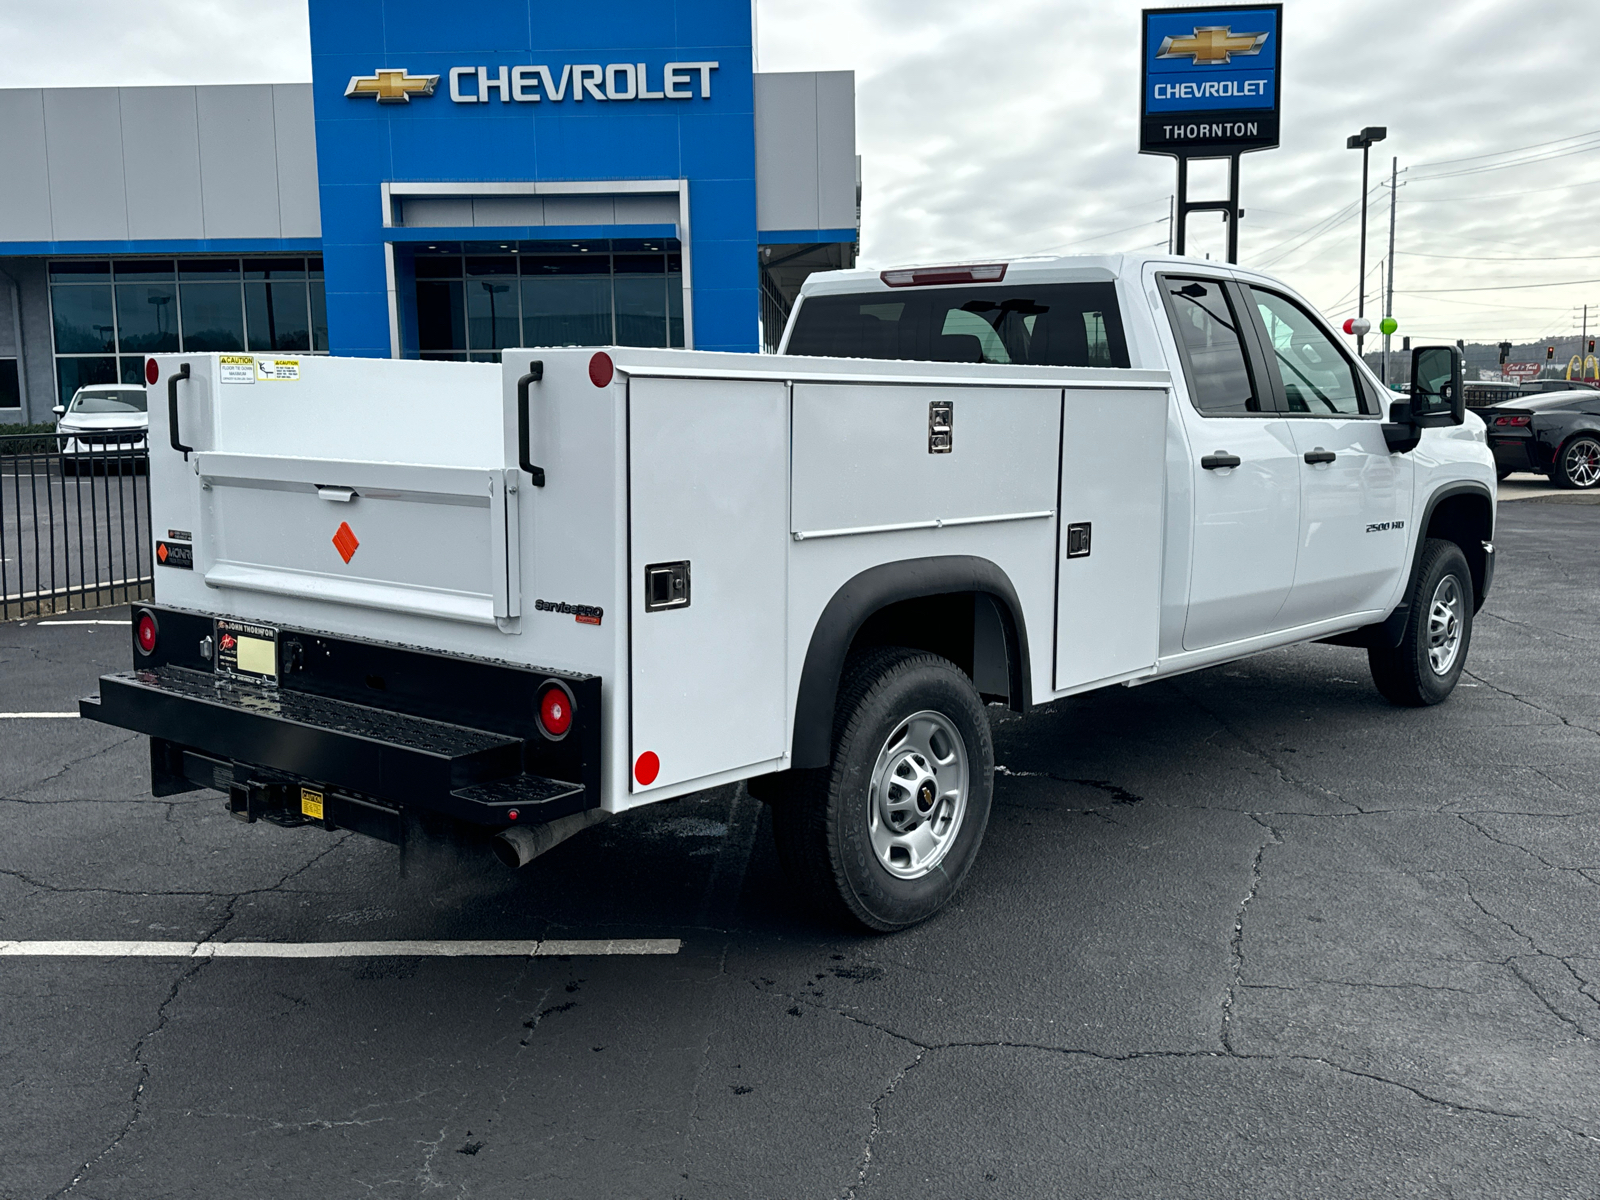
(994, 128)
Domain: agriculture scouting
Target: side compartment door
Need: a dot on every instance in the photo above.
(1112, 511)
(1247, 514)
(708, 532)
(1354, 494)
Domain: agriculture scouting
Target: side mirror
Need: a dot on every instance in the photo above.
(1437, 397)
(60, 410)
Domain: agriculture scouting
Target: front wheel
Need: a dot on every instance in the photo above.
(885, 836)
(1424, 668)
(1577, 463)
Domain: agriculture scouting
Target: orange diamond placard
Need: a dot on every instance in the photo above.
(344, 541)
(161, 551)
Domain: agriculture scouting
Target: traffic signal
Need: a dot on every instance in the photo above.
(1591, 345)
(1549, 353)
(1505, 352)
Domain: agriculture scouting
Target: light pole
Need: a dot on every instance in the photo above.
(1363, 142)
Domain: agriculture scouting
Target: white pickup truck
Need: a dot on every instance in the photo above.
(508, 600)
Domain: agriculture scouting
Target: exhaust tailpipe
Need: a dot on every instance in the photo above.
(521, 844)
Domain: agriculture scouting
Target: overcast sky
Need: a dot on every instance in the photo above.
(995, 128)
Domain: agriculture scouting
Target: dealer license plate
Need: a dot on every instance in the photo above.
(247, 651)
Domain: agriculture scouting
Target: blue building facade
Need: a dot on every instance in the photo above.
(455, 180)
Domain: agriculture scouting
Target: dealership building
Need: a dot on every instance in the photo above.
(454, 180)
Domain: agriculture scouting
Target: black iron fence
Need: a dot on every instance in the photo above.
(74, 522)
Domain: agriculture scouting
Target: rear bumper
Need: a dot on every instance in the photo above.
(480, 758)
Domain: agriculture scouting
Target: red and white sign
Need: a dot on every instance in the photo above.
(1522, 371)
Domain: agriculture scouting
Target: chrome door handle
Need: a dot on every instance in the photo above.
(1319, 455)
(1221, 458)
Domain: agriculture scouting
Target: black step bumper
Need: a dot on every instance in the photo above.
(449, 736)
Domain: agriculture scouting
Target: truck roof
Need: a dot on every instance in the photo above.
(1064, 268)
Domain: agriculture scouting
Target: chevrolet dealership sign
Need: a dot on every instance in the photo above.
(533, 84)
(1210, 80)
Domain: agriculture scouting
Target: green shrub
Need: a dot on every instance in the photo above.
(28, 439)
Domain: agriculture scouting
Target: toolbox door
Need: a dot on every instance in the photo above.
(433, 541)
(1113, 495)
(708, 528)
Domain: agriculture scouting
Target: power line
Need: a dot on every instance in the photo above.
(1491, 258)
(1500, 195)
(1507, 287)
(1527, 161)
(1445, 162)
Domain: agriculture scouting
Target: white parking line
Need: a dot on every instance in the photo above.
(34, 716)
(123, 623)
(421, 949)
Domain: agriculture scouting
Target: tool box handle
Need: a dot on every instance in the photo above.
(172, 409)
(534, 375)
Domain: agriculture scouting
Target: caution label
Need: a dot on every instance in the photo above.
(278, 369)
(236, 368)
(311, 803)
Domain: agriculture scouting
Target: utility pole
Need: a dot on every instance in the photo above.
(1363, 142)
(1388, 306)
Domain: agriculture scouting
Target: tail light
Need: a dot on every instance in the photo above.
(145, 632)
(555, 710)
(1519, 420)
(933, 276)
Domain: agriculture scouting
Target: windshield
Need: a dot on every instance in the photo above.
(108, 400)
(1051, 324)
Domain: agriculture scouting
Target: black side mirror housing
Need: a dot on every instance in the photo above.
(1437, 395)
(1400, 433)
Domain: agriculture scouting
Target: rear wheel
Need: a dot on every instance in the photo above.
(1424, 668)
(1578, 463)
(884, 837)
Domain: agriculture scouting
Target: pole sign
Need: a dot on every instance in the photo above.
(1210, 80)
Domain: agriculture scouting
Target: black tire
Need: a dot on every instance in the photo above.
(1407, 674)
(823, 823)
(1577, 464)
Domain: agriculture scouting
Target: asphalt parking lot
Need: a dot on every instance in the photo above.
(1251, 933)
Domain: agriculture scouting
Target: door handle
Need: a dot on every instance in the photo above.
(172, 410)
(1319, 455)
(1221, 458)
(534, 375)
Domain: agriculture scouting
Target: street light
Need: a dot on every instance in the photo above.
(1363, 142)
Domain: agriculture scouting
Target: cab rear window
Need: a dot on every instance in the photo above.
(1047, 325)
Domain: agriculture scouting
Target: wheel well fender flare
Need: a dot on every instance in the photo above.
(1394, 627)
(867, 593)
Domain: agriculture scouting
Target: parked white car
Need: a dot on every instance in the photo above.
(104, 424)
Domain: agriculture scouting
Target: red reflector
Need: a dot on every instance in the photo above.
(1513, 420)
(647, 768)
(555, 711)
(601, 369)
(512, 815)
(933, 276)
(151, 371)
(145, 630)
(344, 541)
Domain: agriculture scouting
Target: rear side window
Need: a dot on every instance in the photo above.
(1047, 325)
(1208, 336)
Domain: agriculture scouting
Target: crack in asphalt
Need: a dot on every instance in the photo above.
(1236, 942)
(73, 762)
(163, 1010)
(1540, 951)
(865, 1163)
(163, 1015)
(1520, 699)
(203, 894)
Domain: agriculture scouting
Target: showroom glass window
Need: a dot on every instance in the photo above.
(471, 306)
(108, 314)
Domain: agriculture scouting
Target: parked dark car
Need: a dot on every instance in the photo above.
(1555, 434)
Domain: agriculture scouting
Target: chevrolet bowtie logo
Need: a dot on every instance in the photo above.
(394, 87)
(1211, 45)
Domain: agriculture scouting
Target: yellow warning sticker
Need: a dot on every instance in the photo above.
(311, 803)
(236, 368)
(281, 369)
